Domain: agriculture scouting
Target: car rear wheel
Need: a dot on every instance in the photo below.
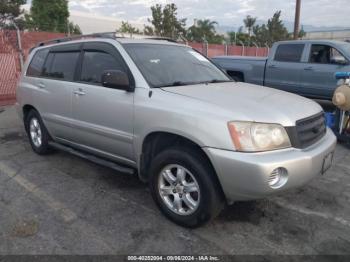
(37, 133)
(184, 187)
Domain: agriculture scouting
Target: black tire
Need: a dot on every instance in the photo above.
(211, 200)
(44, 147)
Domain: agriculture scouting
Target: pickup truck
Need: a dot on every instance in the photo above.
(304, 67)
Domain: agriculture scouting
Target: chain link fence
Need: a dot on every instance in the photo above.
(10, 57)
(15, 46)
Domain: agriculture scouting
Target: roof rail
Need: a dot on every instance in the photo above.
(111, 35)
(161, 38)
(141, 36)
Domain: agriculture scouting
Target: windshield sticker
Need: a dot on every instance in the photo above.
(198, 56)
(155, 61)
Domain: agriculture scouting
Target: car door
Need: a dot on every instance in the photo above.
(53, 93)
(318, 78)
(103, 117)
(283, 71)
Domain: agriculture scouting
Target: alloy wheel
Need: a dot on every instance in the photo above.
(179, 189)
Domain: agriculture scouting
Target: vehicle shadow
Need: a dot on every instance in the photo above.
(249, 211)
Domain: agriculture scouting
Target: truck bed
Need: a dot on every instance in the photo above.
(252, 67)
(244, 58)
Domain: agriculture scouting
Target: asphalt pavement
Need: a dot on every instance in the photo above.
(61, 204)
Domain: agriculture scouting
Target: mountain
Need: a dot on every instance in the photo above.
(289, 25)
(311, 28)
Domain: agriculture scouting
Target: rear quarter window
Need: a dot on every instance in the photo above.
(35, 67)
(289, 52)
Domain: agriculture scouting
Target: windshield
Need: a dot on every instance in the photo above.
(171, 65)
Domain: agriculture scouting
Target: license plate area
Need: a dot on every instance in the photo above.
(327, 162)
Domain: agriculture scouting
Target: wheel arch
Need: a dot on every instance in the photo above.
(156, 142)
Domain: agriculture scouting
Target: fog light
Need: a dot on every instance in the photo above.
(278, 177)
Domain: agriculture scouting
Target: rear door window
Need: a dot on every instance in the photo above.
(95, 63)
(61, 65)
(289, 52)
(35, 67)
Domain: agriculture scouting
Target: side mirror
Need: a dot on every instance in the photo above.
(339, 60)
(116, 79)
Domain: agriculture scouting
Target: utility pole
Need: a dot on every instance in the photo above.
(297, 19)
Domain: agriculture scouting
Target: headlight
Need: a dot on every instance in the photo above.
(255, 137)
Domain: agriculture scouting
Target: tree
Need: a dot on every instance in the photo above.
(232, 37)
(48, 16)
(204, 30)
(243, 38)
(148, 30)
(272, 32)
(262, 35)
(302, 33)
(277, 30)
(165, 22)
(74, 29)
(126, 27)
(10, 10)
(239, 37)
(249, 23)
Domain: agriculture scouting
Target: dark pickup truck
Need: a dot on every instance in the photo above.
(304, 67)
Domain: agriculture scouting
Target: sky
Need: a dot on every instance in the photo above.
(323, 13)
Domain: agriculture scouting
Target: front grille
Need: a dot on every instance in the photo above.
(308, 131)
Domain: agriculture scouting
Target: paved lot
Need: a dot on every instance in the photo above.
(60, 204)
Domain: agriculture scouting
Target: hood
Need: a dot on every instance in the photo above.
(247, 102)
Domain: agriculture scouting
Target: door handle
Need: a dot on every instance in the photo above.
(309, 68)
(272, 66)
(79, 92)
(41, 85)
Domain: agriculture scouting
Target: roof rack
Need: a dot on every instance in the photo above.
(141, 36)
(161, 38)
(111, 35)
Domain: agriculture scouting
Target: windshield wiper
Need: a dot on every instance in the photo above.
(176, 83)
(218, 81)
(181, 83)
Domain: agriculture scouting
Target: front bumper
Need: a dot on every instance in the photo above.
(244, 176)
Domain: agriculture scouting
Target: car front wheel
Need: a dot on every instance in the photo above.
(184, 187)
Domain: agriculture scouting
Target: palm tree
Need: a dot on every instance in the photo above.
(249, 23)
(202, 29)
(207, 25)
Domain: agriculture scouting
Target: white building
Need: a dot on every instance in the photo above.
(341, 35)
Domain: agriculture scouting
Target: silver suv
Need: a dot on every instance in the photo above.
(165, 112)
